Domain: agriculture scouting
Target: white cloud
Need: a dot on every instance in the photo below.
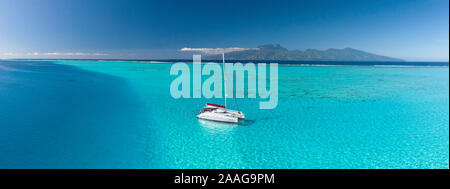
(10, 54)
(53, 54)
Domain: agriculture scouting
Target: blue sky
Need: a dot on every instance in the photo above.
(407, 29)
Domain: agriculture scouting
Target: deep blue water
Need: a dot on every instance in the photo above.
(58, 116)
(97, 114)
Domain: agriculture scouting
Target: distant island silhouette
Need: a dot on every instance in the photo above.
(277, 52)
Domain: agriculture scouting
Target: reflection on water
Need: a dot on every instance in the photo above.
(217, 127)
(246, 122)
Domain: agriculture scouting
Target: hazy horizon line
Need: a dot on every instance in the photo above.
(184, 59)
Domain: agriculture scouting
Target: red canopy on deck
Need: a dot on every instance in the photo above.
(215, 105)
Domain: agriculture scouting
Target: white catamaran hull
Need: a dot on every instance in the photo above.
(235, 113)
(218, 116)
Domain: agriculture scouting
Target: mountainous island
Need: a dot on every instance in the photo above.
(277, 52)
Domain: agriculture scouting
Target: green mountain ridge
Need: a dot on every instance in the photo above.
(277, 52)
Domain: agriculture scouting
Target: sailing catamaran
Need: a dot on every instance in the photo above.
(216, 112)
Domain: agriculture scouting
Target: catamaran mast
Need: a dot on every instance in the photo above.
(218, 51)
(225, 84)
(224, 79)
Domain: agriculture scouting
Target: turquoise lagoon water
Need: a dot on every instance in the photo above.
(97, 114)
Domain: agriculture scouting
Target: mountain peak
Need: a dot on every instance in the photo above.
(271, 47)
(277, 52)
